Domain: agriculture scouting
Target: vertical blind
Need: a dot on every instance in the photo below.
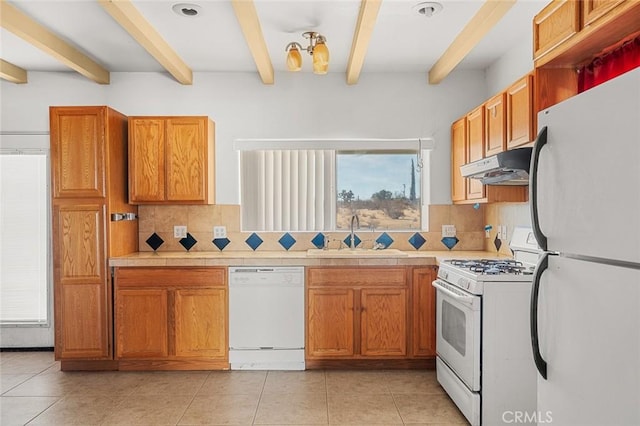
(287, 190)
(24, 241)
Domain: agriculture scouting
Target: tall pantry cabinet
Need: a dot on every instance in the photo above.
(89, 184)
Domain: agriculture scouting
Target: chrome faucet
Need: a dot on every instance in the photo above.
(356, 219)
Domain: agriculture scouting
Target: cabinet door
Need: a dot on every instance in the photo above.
(141, 323)
(330, 323)
(496, 124)
(200, 322)
(520, 115)
(458, 158)
(77, 151)
(383, 322)
(82, 290)
(146, 159)
(475, 149)
(594, 9)
(424, 312)
(187, 153)
(557, 22)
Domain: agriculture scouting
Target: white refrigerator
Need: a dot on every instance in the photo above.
(585, 301)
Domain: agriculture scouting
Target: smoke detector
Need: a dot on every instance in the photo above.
(188, 10)
(428, 8)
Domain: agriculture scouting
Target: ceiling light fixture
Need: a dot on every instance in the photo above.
(428, 9)
(317, 49)
(188, 10)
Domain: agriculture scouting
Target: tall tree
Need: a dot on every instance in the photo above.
(412, 190)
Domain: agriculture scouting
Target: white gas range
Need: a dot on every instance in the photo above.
(484, 358)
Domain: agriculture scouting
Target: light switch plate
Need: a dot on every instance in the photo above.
(179, 231)
(219, 232)
(448, 231)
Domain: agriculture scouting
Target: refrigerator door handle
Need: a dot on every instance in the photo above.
(542, 265)
(541, 141)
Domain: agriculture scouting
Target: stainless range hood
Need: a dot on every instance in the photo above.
(506, 168)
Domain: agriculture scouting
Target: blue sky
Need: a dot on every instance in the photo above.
(366, 174)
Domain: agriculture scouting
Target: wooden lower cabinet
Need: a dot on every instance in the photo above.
(171, 318)
(424, 311)
(330, 322)
(367, 316)
(383, 321)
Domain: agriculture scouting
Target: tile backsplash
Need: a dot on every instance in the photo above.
(509, 215)
(157, 222)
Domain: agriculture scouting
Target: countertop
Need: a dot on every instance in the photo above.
(293, 258)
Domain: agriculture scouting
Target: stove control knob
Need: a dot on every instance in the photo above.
(464, 283)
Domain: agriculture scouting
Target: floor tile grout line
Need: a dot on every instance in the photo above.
(193, 398)
(255, 413)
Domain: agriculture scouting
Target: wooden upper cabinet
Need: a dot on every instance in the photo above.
(496, 125)
(171, 160)
(475, 149)
(592, 10)
(78, 151)
(146, 159)
(520, 112)
(458, 158)
(555, 24)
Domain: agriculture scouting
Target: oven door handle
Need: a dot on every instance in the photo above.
(467, 300)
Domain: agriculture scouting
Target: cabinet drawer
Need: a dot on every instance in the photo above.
(556, 23)
(171, 277)
(356, 276)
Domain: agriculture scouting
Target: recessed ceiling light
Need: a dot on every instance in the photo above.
(188, 10)
(428, 8)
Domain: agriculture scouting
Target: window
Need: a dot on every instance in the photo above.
(294, 188)
(24, 245)
(383, 188)
(287, 190)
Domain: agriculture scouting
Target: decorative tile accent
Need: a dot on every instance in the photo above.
(221, 243)
(450, 242)
(357, 240)
(385, 240)
(287, 241)
(154, 241)
(318, 240)
(253, 241)
(498, 243)
(188, 241)
(417, 240)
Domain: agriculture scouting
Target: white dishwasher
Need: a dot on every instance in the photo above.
(266, 318)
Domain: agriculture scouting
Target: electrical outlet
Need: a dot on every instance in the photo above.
(448, 231)
(219, 232)
(179, 231)
(503, 231)
(499, 232)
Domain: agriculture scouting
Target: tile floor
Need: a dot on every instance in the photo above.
(34, 391)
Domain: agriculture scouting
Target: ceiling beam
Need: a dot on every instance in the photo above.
(250, 24)
(20, 24)
(130, 18)
(12, 73)
(361, 38)
(487, 17)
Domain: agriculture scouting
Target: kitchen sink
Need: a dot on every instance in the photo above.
(347, 252)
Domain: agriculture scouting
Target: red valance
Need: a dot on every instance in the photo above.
(610, 65)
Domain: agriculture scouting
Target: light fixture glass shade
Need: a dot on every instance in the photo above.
(320, 58)
(294, 59)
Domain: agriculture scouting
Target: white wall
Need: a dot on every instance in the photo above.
(381, 105)
(514, 64)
